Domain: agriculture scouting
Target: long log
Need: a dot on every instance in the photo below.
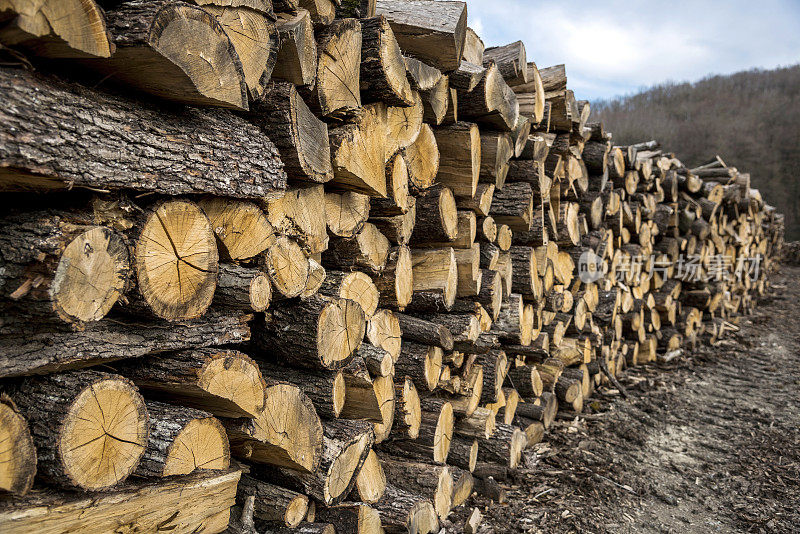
(32, 158)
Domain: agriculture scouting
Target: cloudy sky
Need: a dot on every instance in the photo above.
(615, 47)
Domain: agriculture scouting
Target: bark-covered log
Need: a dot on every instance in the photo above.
(202, 500)
(368, 250)
(317, 332)
(402, 512)
(242, 288)
(432, 482)
(45, 351)
(59, 268)
(226, 383)
(435, 274)
(271, 502)
(19, 452)
(335, 92)
(297, 56)
(326, 389)
(430, 31)
(157, 46)
(90, 428)
(287, 433)
(395, 282)
(352, 517)
(511, 61)
(35, 160)
(346, 446)
(182, 440)
(460, 157)
(421, 363)
(437, 217)
(504, 447)
(301, 138)
(383, 71)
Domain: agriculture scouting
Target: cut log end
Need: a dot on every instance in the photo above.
(104, 434)
(443, 434)
(287, 267)
(176, 261)
(90, 277)
(17, 451)
(341, 327)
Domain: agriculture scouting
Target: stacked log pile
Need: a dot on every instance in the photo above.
(331, 265)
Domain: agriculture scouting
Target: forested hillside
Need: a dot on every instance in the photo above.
(751, 118)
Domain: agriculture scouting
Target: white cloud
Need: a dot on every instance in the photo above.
(618, 46)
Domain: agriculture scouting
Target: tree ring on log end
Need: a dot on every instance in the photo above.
(103, 435)
(91, 275)
(17, 453)
(443, 434)
(176, 261)
(201, 444)
(340, 329)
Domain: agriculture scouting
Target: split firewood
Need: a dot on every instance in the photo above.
(297, 214)
(346, 446)
(301, 138)
(398, 229)
(404, 125)
(355, 286)
(90, 428)
(369, 250)
(371, 480)
(408, 414)
(317, 332)
(491, 102)
(383, 331)
(383, 386)
(359, 152)
(57, 30)
(182, 440)
(255, 41)
(430, 481)
(297, 56)
(335, 92)
(460, 157)
(496, 151)
(436, 101)
(199, 132)
(435, 434)
(466, 77)
(473, 47)
(226, 383)
(346, 213)
(241, 227)
(287, 267)
(383, 71)
(60, 268)
(430, 31)
(271, 502)
(146, 47)
(352, 517)
(421, 363)
(203, 501)
(422, 159)
(19, 454)
(435, 273)
(402, 512)
(287, 433)
(462, 485)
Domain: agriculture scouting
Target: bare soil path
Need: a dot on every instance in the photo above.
(707, 443)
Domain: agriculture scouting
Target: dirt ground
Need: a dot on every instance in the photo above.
(707, 443)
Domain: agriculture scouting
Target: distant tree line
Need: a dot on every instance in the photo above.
(751, 119)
